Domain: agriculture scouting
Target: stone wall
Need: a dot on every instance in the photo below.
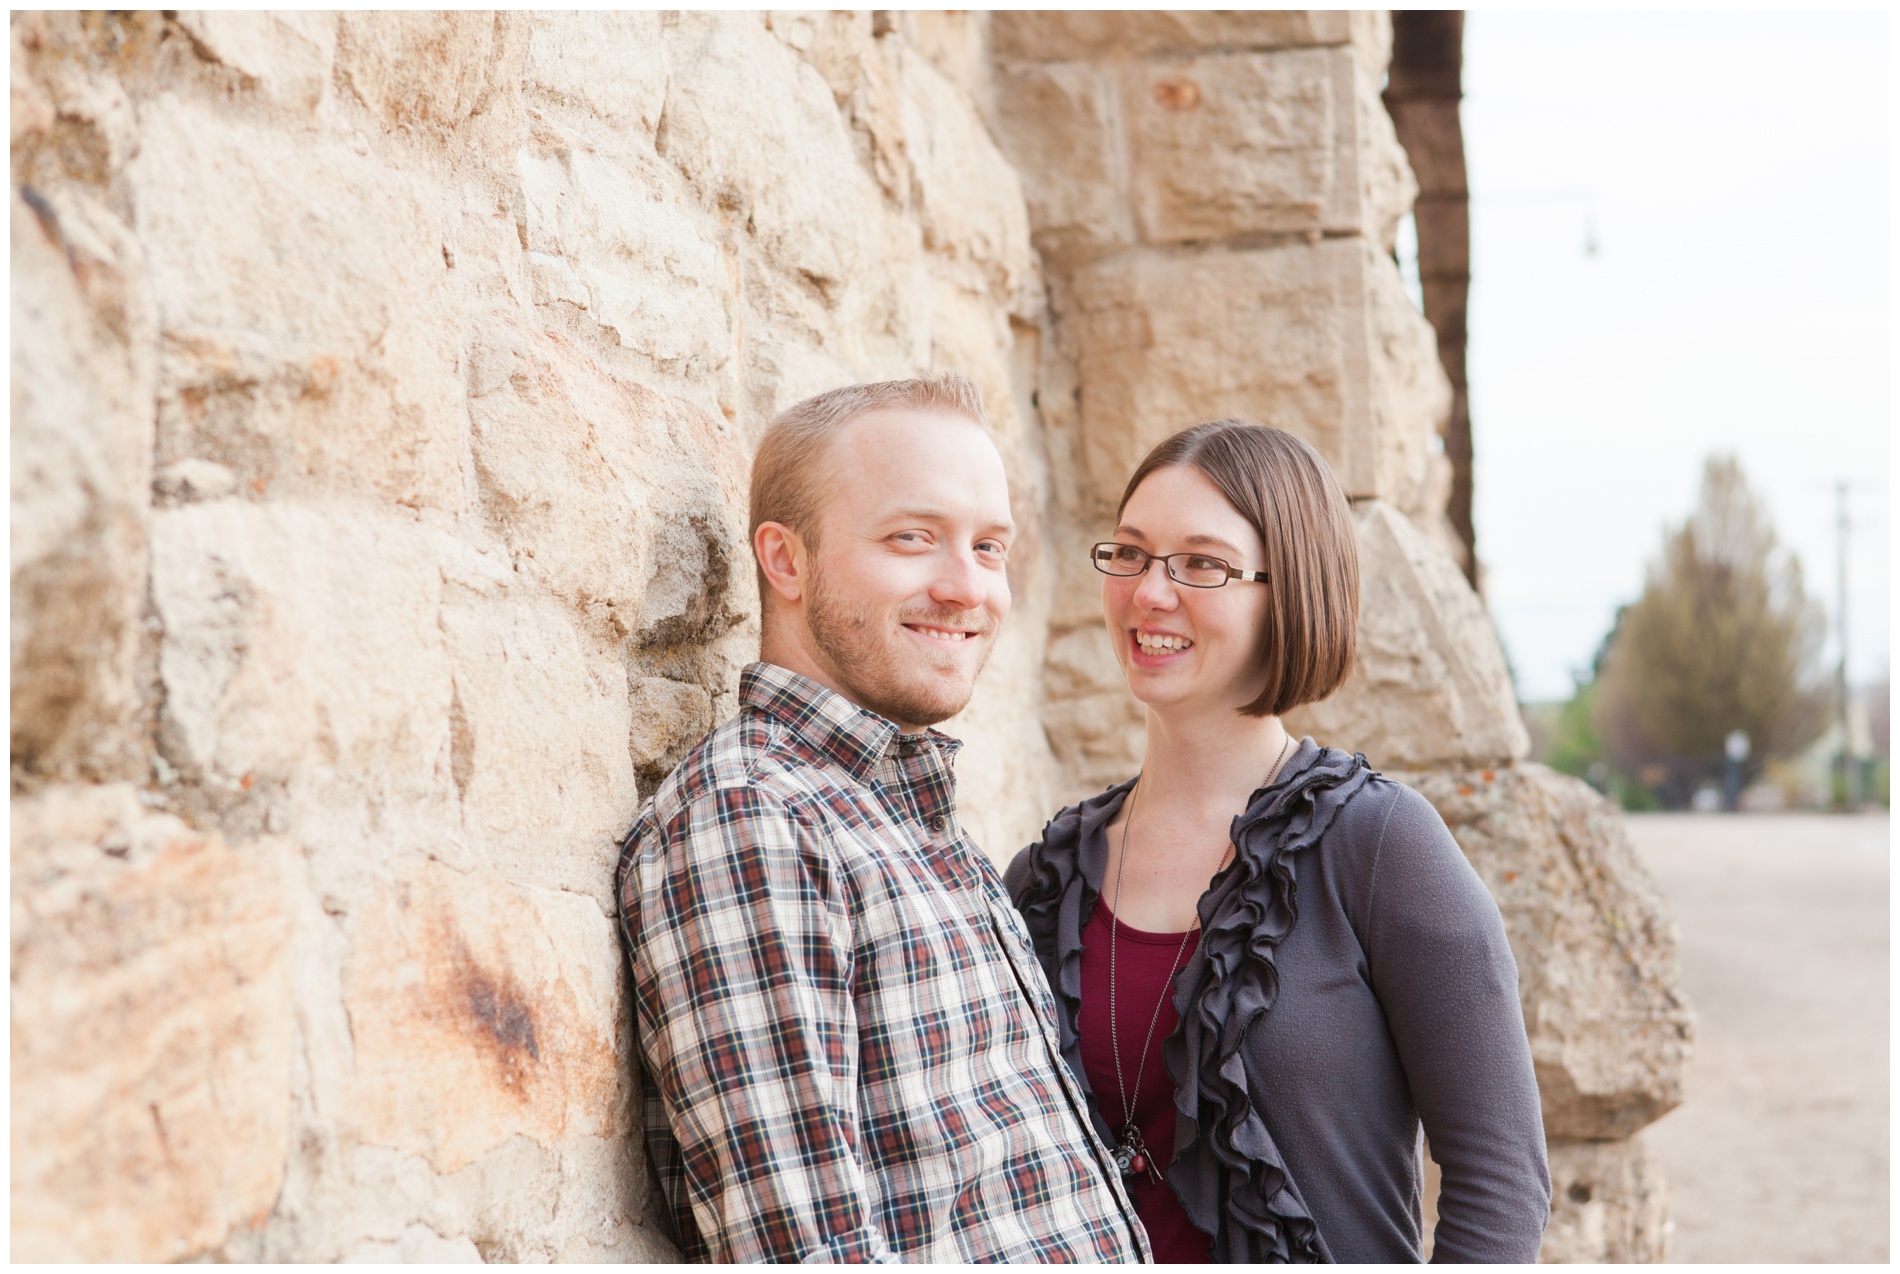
(383, 387)
(1217, 210)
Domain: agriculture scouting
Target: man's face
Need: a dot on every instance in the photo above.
(908, 585)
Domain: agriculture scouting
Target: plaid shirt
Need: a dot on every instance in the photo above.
(851, 1053)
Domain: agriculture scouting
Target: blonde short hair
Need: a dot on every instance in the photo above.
(788, 471)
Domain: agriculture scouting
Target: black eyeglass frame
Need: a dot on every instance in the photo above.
(1102, 552)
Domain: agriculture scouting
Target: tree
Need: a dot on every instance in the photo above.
(1724, 637)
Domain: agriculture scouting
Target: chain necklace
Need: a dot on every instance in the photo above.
(1131, 1151)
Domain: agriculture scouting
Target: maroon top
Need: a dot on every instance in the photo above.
(1145, 965)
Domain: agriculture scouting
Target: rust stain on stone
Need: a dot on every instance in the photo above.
(1178, 95)
(484, 1004)
(502, 1019)
(469, 1024)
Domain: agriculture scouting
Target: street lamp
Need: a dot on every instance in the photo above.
(1735, 747)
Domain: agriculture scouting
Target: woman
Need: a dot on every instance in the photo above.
(1270, 962)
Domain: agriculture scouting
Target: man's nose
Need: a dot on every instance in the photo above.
(959, 581)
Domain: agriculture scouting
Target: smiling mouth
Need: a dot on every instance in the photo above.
(1160, 643)
(941, 634)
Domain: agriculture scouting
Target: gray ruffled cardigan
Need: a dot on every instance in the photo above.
(1352, 979)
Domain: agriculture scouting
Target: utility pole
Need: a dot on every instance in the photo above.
(1850, 775)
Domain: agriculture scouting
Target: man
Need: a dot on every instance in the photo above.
(850, 1051)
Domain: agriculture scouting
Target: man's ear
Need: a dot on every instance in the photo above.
(782, 559)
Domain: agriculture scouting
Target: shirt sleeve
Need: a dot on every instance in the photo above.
(1444, 974)
(742, 981)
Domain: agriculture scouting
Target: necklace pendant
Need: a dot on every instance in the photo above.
(1132, 1158)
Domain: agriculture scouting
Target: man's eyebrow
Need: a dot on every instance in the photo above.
(922, 514)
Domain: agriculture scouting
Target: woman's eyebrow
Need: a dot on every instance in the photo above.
(1192, 541)
(1214, 540)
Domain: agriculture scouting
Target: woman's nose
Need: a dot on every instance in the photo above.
(1156, 590)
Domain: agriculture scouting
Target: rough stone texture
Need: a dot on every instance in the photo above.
(1170, 338)
(384, 387)
(1057, 35)
(81, 460)
(383, 393)
(1609, 1204)
(1216, 207)
(1596, 952)
(480, 1011)
(151, 1030)
(1429, 686)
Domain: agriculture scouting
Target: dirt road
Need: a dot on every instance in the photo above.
(1780, 1152)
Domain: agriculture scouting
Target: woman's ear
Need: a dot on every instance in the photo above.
(782, 559)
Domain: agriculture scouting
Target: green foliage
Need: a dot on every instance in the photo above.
(1633, 796)
(1574, 744)
(1724, 637)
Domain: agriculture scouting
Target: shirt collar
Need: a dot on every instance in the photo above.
(824, 720)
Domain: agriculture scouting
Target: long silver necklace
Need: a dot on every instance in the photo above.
(1131, 1151)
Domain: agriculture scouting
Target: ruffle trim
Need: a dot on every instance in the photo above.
(1227, 1170)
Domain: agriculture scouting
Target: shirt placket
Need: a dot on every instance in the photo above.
(929, 796)
(930, 791)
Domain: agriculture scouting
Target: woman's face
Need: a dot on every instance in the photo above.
(1183, 647)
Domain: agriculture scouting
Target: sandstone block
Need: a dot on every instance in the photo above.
(1075, 34)
(969, 201)
(67, 82)
(288, 56)
(609, 493)
(544, 794)
(1318, 339)
(1429, 685)
(308, 344)
(669, 717)
(414, 69)
(31, 110)
(1061, 122)
(80, 457)
(1387, 184)
(838, 43)
(151, 1031)
(607, 237)
(1609, 1204)
(301, 647)
(190, 481)
(790, 172)
(1231, 144)
(955, 42)
(482, 1011)
(610, 67)
(1098, 729)
(1609, 1028)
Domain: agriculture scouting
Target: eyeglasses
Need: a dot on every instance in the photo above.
(1196, 570)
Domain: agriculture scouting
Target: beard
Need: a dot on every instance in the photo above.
(880, 669)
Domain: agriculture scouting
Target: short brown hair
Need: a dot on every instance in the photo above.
(788, 470)
(1291, 498)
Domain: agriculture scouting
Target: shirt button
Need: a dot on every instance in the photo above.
(939, 821)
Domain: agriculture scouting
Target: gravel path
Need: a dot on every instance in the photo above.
(1780, 1152)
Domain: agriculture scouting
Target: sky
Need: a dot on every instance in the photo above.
(1732, 172)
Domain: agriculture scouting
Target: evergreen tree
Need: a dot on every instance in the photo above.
(1724, 637)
